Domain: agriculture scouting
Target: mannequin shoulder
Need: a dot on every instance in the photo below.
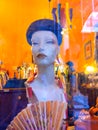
(30, 83)
(62, 94)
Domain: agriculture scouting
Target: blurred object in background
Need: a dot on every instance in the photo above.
(4, 76)
(25, 71)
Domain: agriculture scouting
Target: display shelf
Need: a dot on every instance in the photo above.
(12, 101)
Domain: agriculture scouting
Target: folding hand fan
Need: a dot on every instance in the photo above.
(39, 116)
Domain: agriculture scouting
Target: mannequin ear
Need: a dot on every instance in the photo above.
(58, 50)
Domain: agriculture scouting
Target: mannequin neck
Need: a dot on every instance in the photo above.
(46, 74)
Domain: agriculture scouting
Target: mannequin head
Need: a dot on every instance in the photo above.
(45, 37)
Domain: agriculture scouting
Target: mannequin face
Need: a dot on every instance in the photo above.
(44, 47)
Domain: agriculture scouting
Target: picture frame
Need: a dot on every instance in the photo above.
(88, 50)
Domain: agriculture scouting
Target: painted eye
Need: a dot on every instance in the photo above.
(34, 43)
(50, 42)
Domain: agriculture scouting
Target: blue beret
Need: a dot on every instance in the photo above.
(47, 25)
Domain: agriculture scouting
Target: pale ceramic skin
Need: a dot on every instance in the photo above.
(45, 48)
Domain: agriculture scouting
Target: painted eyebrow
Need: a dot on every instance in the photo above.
(50, 41)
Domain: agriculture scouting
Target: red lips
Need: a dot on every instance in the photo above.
(41, 55)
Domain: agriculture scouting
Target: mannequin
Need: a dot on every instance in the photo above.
(45, 37)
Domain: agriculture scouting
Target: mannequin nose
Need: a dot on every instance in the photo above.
(41, 49)
(41, 46)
